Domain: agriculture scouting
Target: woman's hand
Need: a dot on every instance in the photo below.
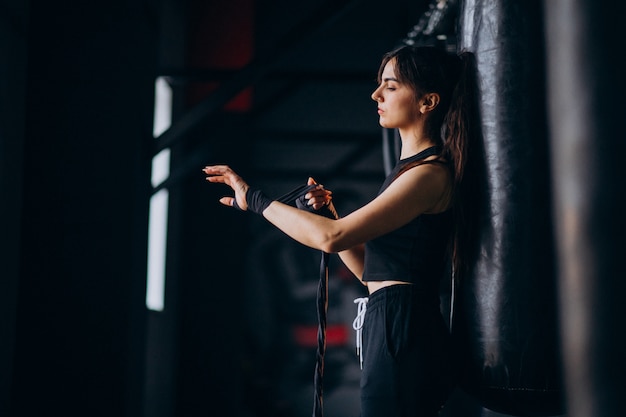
(318, 197)
(225, 175)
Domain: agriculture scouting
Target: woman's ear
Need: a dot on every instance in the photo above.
(428, 102)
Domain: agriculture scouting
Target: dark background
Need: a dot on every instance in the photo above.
(77, 107)
(77, 85)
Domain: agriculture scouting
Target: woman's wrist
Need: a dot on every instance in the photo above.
(257, 201)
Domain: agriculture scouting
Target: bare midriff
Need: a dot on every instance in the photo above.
(373, 286)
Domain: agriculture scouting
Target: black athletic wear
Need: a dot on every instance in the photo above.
(405, 342)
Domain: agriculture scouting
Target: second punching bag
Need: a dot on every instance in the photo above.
(505, 313)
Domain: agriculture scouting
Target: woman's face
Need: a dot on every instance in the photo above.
(397, 106)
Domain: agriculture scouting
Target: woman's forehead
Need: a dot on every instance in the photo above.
(390, 69)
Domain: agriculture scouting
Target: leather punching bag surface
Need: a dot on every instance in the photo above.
(505, 314)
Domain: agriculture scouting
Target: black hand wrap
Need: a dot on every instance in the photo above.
(258, 202)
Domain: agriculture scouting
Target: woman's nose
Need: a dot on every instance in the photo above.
(375, 96)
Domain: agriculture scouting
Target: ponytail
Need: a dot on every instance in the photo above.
(463, 148)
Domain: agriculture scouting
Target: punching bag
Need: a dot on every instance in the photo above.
(505, 322)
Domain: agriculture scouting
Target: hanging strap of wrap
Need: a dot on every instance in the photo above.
(296, 197)
(322, 308)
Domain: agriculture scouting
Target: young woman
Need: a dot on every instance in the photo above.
(398, 244)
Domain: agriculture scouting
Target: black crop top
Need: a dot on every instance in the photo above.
(415, 252)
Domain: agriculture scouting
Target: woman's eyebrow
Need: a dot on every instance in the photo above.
(390, 79)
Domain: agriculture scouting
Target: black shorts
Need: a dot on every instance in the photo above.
(406, 360)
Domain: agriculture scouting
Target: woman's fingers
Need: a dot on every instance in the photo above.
(318, 193)
(318, 197)
(220, 173)
(318, 203)
(227, 201)
(216, 178)
(225, 175)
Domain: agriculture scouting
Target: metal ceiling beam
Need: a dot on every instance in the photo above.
(200, 75)
(277, 174)
(364, 143)
(319, 137)
(257, 69)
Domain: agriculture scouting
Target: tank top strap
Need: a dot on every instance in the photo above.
(420, 162)
(403, 164)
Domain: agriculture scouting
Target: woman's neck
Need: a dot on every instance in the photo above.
(413, 144)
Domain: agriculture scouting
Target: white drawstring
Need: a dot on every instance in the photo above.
(357, 325)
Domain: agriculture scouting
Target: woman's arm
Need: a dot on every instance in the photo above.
(418, 190)
(353, 259)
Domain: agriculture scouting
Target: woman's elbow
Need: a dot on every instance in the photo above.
(333, 244)
(329, 247)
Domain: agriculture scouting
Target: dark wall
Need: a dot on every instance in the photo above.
(13, 52)
(88, 119)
